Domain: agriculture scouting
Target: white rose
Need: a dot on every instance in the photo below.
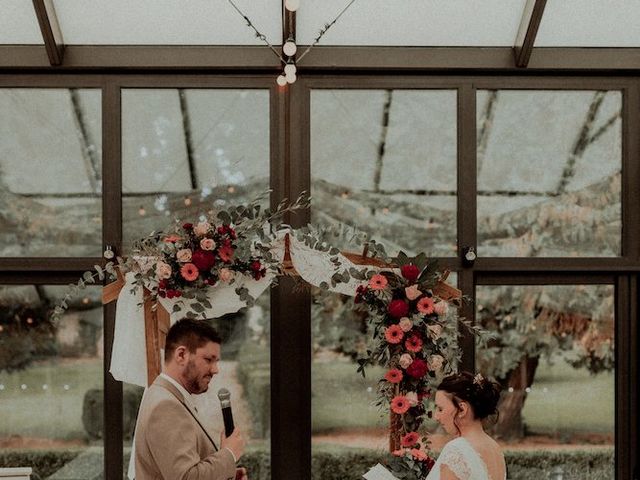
(412, 292)
(225, 274)
(163, 270)
(201, 229)
(184, 255)
(441, 308)
(434, 331)
(405, 360)
(405, 324)
(412, 398)
(436, 362)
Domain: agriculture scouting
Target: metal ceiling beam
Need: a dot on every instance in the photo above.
(51, 33)
(219, 59)
(531, 18)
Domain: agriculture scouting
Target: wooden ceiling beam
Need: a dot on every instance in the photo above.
(50, 28)
(526, 37)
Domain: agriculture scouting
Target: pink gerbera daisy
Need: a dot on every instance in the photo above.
(378, 282)
(400, 404)
(394, 376)
(413, 343)
(189, 272)
(425, 305)
(410, 439)
(394, 334)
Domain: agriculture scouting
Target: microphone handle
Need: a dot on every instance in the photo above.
(227, 417)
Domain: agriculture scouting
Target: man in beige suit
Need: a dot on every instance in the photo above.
(170, 441)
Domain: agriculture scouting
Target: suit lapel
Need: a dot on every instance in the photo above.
(161, 382)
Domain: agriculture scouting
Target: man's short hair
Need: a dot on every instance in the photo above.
(192, 334)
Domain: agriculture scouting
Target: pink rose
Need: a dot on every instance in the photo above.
(412, 397)
(201, 229)
(441, 308)
(412, 292)
(225, 274)
(163, 270)
(405, 360)
(184, 255)
(207, 244)
(405, 324)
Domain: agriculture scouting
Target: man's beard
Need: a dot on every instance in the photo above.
(195, 384)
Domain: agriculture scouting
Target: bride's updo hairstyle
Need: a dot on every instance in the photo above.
(481, 393)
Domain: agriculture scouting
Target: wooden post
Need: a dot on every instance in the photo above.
(156, 326)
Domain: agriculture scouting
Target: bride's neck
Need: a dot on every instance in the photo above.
(471, 429)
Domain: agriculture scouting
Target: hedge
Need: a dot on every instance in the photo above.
(343, 463)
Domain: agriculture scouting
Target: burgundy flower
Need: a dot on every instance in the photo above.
(203, 260)
(398, 308)
(418, 368)
(256, 266)
(187, 226)
(410, 272)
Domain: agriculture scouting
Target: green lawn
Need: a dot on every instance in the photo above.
(54, 412)
(573, 402)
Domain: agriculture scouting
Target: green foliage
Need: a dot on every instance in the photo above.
(43, 462)
(254, 374)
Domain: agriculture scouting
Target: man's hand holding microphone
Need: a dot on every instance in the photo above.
(231, 438)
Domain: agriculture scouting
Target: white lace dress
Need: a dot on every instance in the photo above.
(460, 457)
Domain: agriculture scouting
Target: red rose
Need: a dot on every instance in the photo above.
(410, 272)
(418, 368)
(398, 308)
(187, 226)
(255, 266)
(203, 260)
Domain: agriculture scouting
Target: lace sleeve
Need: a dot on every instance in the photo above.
(453, 458)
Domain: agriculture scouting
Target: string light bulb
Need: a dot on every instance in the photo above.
(292, 5)
(141, 211)
(281, 80)
(291, 78)
(290, 48)
(187, 201)
(290, 69)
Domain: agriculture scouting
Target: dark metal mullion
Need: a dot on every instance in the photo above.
(466, 208)
(291, 307)
(544, 278)
(634, 387)
(188, 138)
(111, 236)
(526, 36)
(50, 29)
(631, 172)
(622, 380)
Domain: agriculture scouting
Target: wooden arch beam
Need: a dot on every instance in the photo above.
(50, 28)
(531, 18)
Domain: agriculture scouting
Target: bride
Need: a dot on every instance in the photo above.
(462, 402)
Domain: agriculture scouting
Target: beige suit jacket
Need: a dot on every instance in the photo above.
(171, 444)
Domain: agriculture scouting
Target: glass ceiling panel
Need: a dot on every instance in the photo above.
(167, 22)
(590, 23)
(18, 23)
(411, 22)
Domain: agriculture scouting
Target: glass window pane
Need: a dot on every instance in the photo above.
(168, 22)
(385, 162)
(51, 381)
(549, 173)
(411, 22)
(589, 23)
(18, 23)
(555, 344)
(185, 151)
(50, 172)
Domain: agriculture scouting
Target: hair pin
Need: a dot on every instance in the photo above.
(478, 379)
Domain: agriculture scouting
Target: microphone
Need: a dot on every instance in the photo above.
(225, 402)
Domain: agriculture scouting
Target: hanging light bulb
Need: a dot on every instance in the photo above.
(187, 201)
(141, 211)
(290, 48)
(292, 5)
(290, 69)
(291, 77)
(281, 80)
